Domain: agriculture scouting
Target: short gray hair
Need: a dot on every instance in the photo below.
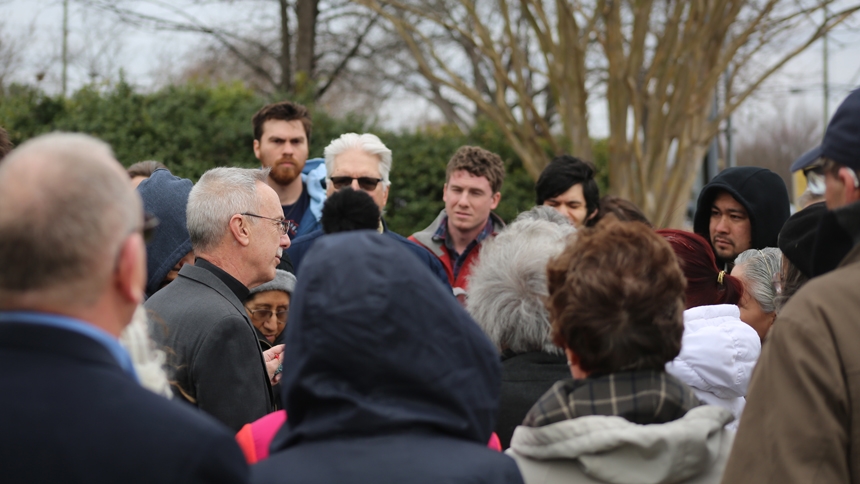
(543, 212)
(218, 195)
(759, 269)
(369, 143)
(508, 285)
(67, 208)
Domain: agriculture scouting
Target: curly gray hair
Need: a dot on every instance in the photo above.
(508, 285)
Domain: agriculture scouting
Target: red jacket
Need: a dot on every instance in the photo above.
(425, 239)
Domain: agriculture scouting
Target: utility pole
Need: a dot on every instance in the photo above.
(65, 44)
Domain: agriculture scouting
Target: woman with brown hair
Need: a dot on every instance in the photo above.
(616, 302)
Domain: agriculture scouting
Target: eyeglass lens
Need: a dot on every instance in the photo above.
(365, 182)
(263, 315)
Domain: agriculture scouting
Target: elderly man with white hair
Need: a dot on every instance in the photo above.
(361, 162)
(72, 273)
(238, 234)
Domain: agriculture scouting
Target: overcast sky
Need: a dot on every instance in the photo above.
(106, 46)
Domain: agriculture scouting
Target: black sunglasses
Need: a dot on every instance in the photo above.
(366, 183)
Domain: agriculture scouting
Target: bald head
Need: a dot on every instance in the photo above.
(67, 207)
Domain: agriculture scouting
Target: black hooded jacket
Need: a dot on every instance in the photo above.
(386, 377)
(763, 194)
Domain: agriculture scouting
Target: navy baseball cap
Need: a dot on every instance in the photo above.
(806, 159)
(842, 139)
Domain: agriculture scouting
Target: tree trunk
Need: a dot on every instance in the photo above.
(306, 13)
(285, 61)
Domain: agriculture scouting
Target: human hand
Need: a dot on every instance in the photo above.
(272, 357)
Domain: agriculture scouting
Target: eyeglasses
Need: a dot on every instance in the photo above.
(283, 225)
(263, 315)
(366, 183)
(150, 222)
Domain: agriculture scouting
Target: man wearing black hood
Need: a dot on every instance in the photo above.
(386, 378)
(744, 207)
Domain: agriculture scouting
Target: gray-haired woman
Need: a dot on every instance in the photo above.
(760, 271)
(507, 290)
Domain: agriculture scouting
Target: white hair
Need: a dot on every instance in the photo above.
(147, 359)
(369, 143)
(508, 285)
(220, 194)
(759, 267)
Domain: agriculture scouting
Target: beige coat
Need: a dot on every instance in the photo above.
(602, 449)
(802, 418)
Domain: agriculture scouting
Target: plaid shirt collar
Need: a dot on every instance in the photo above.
(641, 396)
(458, 260)
(441, 234)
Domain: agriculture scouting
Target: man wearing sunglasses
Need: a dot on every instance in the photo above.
(362, 163)
(802, 419)
(72, 273)
(238, 234)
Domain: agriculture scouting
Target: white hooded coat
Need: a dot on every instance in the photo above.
(608, 449)
(718, 354)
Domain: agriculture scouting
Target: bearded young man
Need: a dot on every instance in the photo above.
(282, 133)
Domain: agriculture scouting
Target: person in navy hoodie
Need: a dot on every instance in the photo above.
(386, 378)
(73, 273)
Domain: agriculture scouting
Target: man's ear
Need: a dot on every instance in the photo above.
(257, 148)
(240, 229)
(852, 191)
(130, 273)
(497, 197)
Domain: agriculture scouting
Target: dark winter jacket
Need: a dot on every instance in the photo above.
(525, 378)
(73, 415)
(165, 196)
(761, 191)
(302, 245)
(386, 378)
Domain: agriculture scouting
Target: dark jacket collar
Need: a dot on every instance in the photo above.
(45, 339)
(231, 282)
(209, 279)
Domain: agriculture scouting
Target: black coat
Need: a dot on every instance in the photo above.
(214, 353)
(386, 378)
(71, 414)
(525, 378)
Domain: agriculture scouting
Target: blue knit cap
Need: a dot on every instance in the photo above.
(166, 197)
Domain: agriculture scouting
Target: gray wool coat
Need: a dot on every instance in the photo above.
(213, 353)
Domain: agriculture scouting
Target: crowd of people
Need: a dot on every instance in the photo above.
(266, 325)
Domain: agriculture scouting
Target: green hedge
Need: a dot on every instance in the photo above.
(192, 128)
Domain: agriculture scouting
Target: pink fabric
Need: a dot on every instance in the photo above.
(495, 443)
(263, 430)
